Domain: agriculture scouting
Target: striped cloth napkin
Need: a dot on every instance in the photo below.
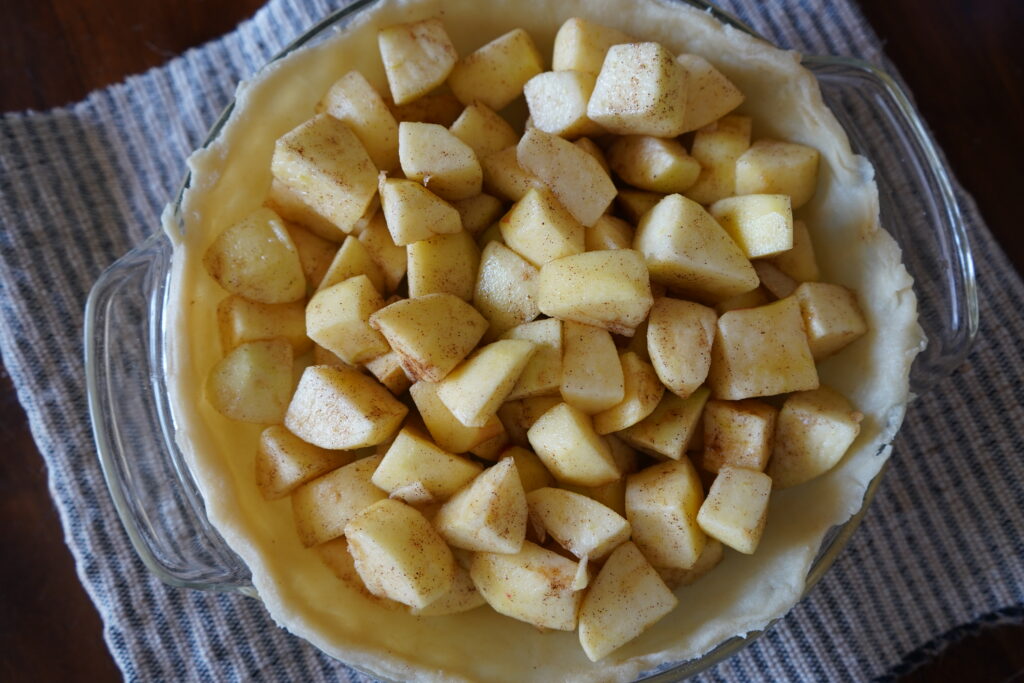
(940, 554)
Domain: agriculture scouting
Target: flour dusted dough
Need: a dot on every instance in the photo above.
(230, 179)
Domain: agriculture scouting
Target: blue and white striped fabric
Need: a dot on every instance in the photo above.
(940, 553)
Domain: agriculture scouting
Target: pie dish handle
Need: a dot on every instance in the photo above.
(150, 485)
(918, 205)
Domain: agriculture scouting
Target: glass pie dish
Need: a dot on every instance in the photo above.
(127, 333)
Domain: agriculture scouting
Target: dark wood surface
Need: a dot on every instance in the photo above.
(963, 60)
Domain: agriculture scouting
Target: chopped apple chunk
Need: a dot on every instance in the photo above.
(496, 73)
(573, 452)
(671, 428)
(776, 167)
(399, 555)
(542, 376)
(506, 289)
(414, 213)
(738, 433)
(832, 317)
(240, 320)
(431, 154)
(534, 585)
(558, 103)
(323, 506)
(690, 253)
(813, 431)
(353, 101)
(642, 392)
(761, 351)
(489, 515)
(413, 459)
(417, 58)
(581, 525)
(679, 338)
(592, 378)
(609, 289)
(625, 599)
(662, 502)
(581, 45)
(540, 229)
(352, 259)
(337, 318)
(324, 162)
(443, 264)
(762, 224)
(484, 130)
(653, 164)
(736, 508)
(431, 333)
(285, 462)
(710, 95)
(340, 408)
(641, 90)
(475, 389)
(445, 428)
(256, 258)
(253, 382)
(717, 147)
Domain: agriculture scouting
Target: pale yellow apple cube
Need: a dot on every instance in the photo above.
(642, 393)
(581, 525)
(492, 448)
(496, 73)
(324, 162)
(414, 213)
(625, 599)
(505, 178)
(799, 262)
(414, 459)
(443, 264)
(389, 257)
(488, 515)
(431, 154)
(575, 177)
(337, 318)
(690, 253)
(399, 555)
(710, 95)
(462, 597)
(662, 502)
(532, 472)
(738, 433)
(679, 338)
(736, 508)
(540, 229)
(591, 148)
(484, 130)
(542, 376)
(256, 258)
(558, 103)
(240, 320)
(832, 317)
(475, 390)
(717, 147)
(445, 429)
(338, 559)
(353, 101)
(761, 351)
(776, 167)
(565, 440)
(506, 287)
(352, 259)
(669, 431)
(641, 90)
(653, 164)
(340, 408)
(253, 382)
(607, 233)
(289, 205)
(479, 212)
(592, 378)
(431, 333)
(417, 58)
(609, 289)
(285, 462)
(323, 506)
(813, 431)
(534, 585)
(762, 224)
(581, 45)
(751, 299)
(519, 416)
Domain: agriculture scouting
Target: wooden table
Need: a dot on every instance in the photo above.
(964, 61)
